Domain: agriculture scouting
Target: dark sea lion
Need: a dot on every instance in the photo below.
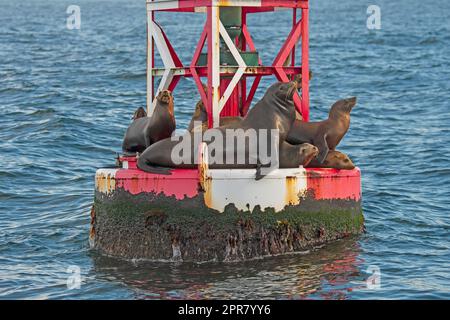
(290, 156)
(275, 110)
(200, 115)
(298, 79)
(326, 134)
(293, 156)
(144, 131)
(225, 122)
(335, 159)
(139, 113)
(231, 122)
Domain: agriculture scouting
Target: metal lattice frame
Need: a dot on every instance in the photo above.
(282, 67)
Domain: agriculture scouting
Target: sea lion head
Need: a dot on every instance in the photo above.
(200, 113)
(283, 91)
(165, 96)
(139, 113)
(338, 160)
(307, 152)
(298, 78)
(165, 99)
(200, 116)
(343, 106)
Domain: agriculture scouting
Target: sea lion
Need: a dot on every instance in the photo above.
(290, 156)
(231, 122)
(335, 159)
(298, 78)
(139, 113)
(145, 131)
(326, 134)
(225, 122)
(293, 156)
(275, 110)
(200, 115)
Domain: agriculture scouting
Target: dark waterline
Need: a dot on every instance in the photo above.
(67, 96)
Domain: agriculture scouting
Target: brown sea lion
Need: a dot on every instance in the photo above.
(298, 79)
(335, 159)
(231, 122)
(293, 156)
(225, 122)
(326, 134)
(275, 110)
(144, 131)
(139, 113)
(200, 115)
(290, 156)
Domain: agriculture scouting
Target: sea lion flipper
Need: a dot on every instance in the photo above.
(157, 170)
(141, 164)
(259, 175)
(322, 155)
(321, 143)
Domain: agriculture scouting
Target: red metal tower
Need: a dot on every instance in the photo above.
(231, 55)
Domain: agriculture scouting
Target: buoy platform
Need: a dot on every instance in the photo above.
(224, 215)
(221, 215)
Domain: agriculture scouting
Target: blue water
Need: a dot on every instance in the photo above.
(66, 98)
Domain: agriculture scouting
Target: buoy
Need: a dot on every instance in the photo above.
(209, 214)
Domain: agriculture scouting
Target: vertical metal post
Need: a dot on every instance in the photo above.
(213, 20)
(294, 22)
(305, 65)
(150, 60)
(243, 86)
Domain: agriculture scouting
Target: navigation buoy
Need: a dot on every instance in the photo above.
(206, 214)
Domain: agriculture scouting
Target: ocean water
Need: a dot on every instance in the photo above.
(66, 98)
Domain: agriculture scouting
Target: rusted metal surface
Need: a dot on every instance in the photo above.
(92, 227)
(334, 184)
(292, 195)
(105, 180)
(276, 190)
(222, 186)
(182, 183)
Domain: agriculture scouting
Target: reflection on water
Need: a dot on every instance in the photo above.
(330, 272)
